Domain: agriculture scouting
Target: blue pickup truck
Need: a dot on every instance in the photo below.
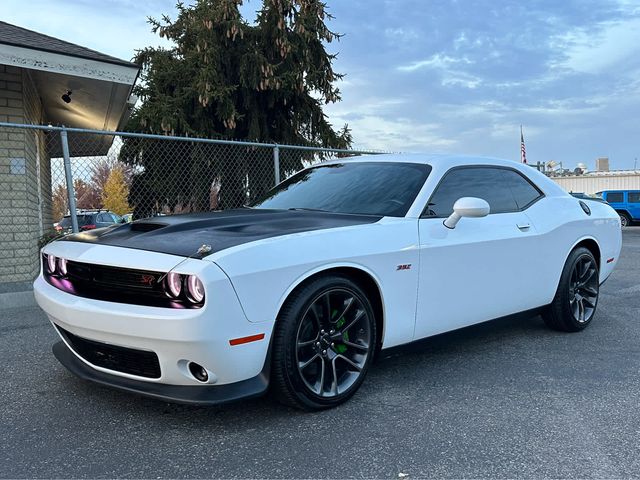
(625, 202)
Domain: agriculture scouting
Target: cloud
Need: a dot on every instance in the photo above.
(400, 34)
(438, 61)
(614, 44)
(441, 76)
(117, 27)
(449, 68)
(398, 135)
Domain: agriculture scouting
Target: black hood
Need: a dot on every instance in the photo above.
(183, 235)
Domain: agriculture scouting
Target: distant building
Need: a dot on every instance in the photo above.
(593, 182)
(602, 164)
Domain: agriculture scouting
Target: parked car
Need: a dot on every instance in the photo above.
(301, 290)
(88, 220)
(625, 202)
(584, 196)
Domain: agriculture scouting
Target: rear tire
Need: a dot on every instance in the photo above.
(324, 341)
(576, 299)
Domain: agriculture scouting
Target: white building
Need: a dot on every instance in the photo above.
(593, 182)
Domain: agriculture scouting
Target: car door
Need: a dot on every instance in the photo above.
(479, 269)
(633, 199)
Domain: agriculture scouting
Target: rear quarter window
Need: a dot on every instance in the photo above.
(634, 197)
(523, 191)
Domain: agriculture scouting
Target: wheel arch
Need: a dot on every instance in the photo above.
(590, 244)
(364, 277)
(623, 211)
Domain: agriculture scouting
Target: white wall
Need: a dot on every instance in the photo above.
(596, 183)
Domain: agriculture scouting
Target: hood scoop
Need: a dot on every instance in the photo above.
(146, 226)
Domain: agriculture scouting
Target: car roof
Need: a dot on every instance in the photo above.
(440, 159)
(441, 162)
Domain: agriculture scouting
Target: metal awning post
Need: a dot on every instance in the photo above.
(67, 173)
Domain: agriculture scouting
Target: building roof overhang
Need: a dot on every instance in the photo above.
(100, 87)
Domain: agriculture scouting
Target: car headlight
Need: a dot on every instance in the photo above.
(62, 266)
(195, 289)
(174, 284)
(51, 263)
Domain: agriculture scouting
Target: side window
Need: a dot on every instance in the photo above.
(116, 218)
(634, 197)
(490, 184)
(104, 218)
(614, 197)
(523, 191)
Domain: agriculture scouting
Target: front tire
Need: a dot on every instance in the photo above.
(625, 221)
(576, 299)
(324, 341)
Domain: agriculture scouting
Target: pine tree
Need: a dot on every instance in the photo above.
(227, 78)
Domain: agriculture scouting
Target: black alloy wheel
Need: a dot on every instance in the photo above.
(583, 292)
(576, 299)
(323, 343)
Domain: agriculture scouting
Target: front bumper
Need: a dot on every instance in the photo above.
(176, 336)
(186, 394)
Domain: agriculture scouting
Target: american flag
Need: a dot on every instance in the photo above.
(523, 150)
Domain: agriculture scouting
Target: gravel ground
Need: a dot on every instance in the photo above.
(504, 399)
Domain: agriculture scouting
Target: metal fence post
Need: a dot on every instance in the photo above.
(276, 163)
(67, 173)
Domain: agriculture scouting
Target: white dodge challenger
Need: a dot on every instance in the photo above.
(298, 292)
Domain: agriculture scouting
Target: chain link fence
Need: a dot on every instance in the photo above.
(52, 177)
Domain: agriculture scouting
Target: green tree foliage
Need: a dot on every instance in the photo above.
(224, 77)
(116, 191)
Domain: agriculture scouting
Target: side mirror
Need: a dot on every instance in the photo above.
(471, 207)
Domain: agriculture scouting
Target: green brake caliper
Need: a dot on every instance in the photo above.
(340, 348)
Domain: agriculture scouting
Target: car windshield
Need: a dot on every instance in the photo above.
(365, 188)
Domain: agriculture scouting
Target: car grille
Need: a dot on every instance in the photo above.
(116, 284)
(105, 277)
(120, 359)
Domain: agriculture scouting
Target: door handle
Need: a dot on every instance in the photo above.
(523, 226)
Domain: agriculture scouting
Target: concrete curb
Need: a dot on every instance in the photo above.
(13, 300)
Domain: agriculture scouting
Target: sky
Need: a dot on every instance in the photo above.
(456, 76)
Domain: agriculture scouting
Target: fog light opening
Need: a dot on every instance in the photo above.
(198, 372)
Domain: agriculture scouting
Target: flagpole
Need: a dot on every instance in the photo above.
(523, 150)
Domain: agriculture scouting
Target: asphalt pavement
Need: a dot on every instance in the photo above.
(508, 398)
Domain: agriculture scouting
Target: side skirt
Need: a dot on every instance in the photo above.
(422, 344)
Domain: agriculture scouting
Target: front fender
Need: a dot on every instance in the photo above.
(265, 273)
